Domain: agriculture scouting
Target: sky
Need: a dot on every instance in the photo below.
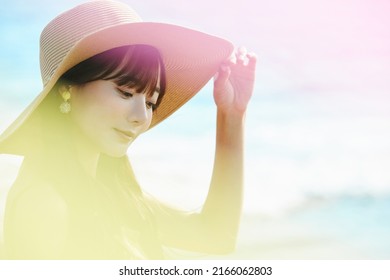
(319, 120)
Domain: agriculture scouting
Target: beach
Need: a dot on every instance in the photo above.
(344, 228)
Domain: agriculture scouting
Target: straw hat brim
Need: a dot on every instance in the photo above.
(191, 58)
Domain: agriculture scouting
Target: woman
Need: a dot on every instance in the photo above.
(108, 77)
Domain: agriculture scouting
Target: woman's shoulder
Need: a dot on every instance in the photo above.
(35, 191)
(36, 195)
(32, 198)
(33, 185)
(31, 201)
(36, 220)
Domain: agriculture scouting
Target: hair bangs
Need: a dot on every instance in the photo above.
(139, 69)
(136, 66)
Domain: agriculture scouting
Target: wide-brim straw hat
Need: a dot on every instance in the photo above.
(191, 58)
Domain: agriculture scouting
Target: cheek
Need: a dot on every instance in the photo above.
(149, 121)
(91, 112)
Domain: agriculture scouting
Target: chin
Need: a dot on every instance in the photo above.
(115, 153)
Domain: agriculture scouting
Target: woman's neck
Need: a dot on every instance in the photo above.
(87, 154)
(88, 159)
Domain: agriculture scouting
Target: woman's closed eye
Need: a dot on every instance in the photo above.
(125, 93)
(128, 94)
(151, 105)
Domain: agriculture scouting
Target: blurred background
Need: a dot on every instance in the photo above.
(317, 131)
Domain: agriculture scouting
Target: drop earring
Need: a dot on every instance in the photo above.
(65, 105)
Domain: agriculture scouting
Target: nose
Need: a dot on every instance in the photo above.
(137, 113)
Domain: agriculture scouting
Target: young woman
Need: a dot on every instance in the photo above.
(108, 77)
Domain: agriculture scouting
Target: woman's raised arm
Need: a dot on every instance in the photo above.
(232, 91)
(215, 228)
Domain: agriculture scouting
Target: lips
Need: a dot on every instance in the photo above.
(126, 134)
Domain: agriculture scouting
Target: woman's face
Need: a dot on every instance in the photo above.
(109, 116)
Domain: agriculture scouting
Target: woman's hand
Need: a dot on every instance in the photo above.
(214, 230)
(233, 85)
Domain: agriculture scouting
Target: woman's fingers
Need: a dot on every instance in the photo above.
(252, 59)
(222, 75)
(241, 55)
(238, 62)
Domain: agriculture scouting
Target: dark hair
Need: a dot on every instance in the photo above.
(136, 66)
(56, 159)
